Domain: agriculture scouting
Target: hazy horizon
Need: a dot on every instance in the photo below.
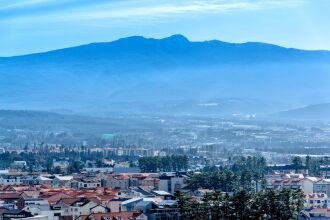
(164, 109)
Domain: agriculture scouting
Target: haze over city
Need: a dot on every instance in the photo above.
(171, 110)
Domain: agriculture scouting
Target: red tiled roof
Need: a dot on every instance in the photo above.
(94, 199)
(68, 201)
(30, 194)
(53, 199)
(105, 197)
(113, 215)
(10, 195)
(315, 195)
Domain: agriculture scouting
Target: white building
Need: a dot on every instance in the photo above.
(171, 183)
(7, 179)
(61, 164)
(37, 217)
(20, 163)
(89, 184)
(44, 180)
(316, 200)
(62, 181)
(308, 184)
(322, 186)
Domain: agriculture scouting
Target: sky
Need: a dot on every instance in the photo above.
(31, 26)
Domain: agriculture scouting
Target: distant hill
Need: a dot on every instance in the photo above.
(47, 121)
(137, 71)
(312, 112)
(24, 119)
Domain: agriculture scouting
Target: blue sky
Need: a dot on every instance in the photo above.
(29, 26)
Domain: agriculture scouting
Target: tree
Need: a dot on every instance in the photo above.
(272, 204)
(297, 163)
(168, 163)
(246, 179)
(241, 202)
(212, 203)
(188, 208)
(308, 162)
(57, 170)
(99, 163)
(26, 148)
(75, 167)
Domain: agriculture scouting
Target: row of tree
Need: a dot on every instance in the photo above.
(226, 180)
(163, 164)
(313, 165)
(43, 161)
(246, 173)
(243, 205)
(253, 164)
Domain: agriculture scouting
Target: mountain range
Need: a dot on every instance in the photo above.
(169, 75)
(319, 112)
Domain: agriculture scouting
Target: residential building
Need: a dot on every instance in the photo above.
(308, 184)
(116, 181)
(62, 181)
(322, 186)
(171, 182)
(316, 200)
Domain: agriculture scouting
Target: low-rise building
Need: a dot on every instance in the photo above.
(19, 163)
(171, 182)
(322, 186)
(8, 179)
(15, 214)
(308, 184)
(316, 200)
(62, 181)
(89, 183)
(116, 181)
(44, 180)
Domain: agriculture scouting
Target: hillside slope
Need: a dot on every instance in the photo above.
(311, 112)
(135, 70)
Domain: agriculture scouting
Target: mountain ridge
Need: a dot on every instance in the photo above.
(176, 38)
(173, 68)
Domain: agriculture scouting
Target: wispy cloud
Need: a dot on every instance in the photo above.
(92, 10)
(38, 25)
(19, 4)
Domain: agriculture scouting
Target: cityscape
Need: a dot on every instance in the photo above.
(164, 110)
